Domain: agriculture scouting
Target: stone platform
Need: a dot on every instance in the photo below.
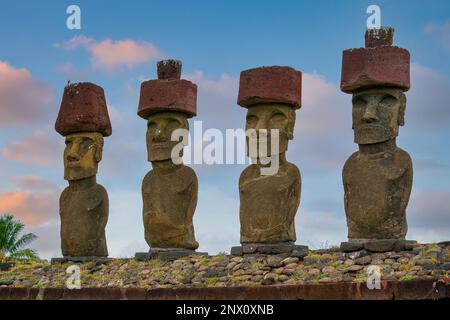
(270, 248)
(166, 254)
(378, 245)
(80, 259)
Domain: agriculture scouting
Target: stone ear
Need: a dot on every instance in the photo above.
(98, 153)
(401, 111)
(291, 125)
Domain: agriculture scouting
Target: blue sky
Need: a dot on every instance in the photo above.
(216, 40)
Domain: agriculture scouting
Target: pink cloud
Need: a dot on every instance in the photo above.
(31, 208)
(37, 149)
(34, 182)
(23, 100)
(111, 55)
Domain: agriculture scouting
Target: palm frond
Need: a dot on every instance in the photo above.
(11, 243)
(25, 254)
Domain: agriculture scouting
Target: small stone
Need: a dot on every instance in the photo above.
(313, 272)
(245, 277)
(290, 260)
(145, 272)
(283, 278)
(403, 260)
(291, 266)
(236, 259)
(257, 278)
(355, 268)
(379, 256)
(288, 272)
(364, 260)
(278, 270)
(327, 269)
(396, 265)
(357, 254)
(237, 266)
(274, 261)
(268, 279)
(309, 261)
(231, 265)
(349, 262)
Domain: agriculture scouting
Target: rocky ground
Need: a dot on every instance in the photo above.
(431, 261)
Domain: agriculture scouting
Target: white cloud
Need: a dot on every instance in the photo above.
(112, 55)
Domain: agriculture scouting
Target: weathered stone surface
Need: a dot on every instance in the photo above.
(377, 178)
(270, 85)
(97, 260)
(168, 93)
(228, 271)
(290, 248)
(169, 191)
(379, 37)
(379, 64)
(83, 109)
(169, 69)
(84, 204)
(269, 200)
(166, 254)
(349, 246)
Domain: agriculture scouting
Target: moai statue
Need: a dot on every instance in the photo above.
(378, 177)
(83, 120)
(269, 199)
(169, 191)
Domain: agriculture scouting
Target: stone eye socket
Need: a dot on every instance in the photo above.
(277, 117)
(86, 144)
(251, 119)
(359, 102)
(172, 125)
(151, 126)
(388, 100)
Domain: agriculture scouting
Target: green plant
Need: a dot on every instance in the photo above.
(407, 277)
(11, 243)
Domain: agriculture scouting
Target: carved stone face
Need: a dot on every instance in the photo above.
(159, 132)
(268, 117)
(377, 114)
(82, 154)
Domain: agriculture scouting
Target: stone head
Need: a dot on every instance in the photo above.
(377, 114)
(82, 154)
(160, 127)
(271, 116)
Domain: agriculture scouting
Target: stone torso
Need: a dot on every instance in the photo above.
(170, 200)
(84, 214)
(377, 189)
(268, 204)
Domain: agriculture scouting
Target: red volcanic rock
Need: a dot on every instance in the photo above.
(379, 37)
(379, 64)
(83, 109)
(168, 93)
(169, 69)
(270, 85)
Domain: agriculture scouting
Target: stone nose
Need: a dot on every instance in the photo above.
(73, 155)
(370, 115)
(158, 136)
